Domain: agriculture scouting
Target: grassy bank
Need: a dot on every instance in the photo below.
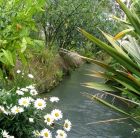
(50, 67)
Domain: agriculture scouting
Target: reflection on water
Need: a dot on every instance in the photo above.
(81, 111)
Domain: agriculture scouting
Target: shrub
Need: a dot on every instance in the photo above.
(16, 24)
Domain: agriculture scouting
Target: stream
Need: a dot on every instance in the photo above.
(82, 111)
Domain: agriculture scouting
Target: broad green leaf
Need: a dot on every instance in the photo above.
(8, 55)
(22, 58)
(94, 97)
(117, 74)
(3, 42)
(131, 45)
(123, 60)
(114, 44)
(1, 74)
(23, 45)
(129, 86)
(121, 98)
(99, 86)
(133, 18)
(97, 74)
(123, 21)
(1, 54)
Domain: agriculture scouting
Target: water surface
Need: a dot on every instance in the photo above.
(81, 110)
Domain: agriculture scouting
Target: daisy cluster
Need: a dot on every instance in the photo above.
(22, 73)
(27, 100)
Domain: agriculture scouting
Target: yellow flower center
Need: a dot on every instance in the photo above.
(61, 134)
(56, 114)
(17, 110)
(66, 125)
(48, 119)
(40, 104)
(46, 134)
(24, 102)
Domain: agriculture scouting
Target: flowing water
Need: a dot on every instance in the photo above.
(82, 111)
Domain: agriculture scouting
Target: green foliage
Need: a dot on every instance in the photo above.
(16, 24)
(61, 18)
(126, 54)
(136, 6)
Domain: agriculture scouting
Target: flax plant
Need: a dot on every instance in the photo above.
(124, 49)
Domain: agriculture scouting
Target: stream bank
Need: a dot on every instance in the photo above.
(51, 69)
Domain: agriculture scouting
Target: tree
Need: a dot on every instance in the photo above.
(61, 19)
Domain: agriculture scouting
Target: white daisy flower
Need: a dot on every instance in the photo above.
(134, 130)
(24, 89)
(2, 109)
(24, 102)
(61, 134)
(45, 98)
(57, 114)
(19, 92)
(31, 87)
(16, 109)
(54, 99)
(18, 71)
(33, 92)
(48, 119)
(45, 133)
(36, 133)
(67, 125)
(30, 76)
(39, 104)
(31, 120)
(5, 133)
(31, 99)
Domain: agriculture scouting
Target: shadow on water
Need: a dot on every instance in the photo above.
(81, 110)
